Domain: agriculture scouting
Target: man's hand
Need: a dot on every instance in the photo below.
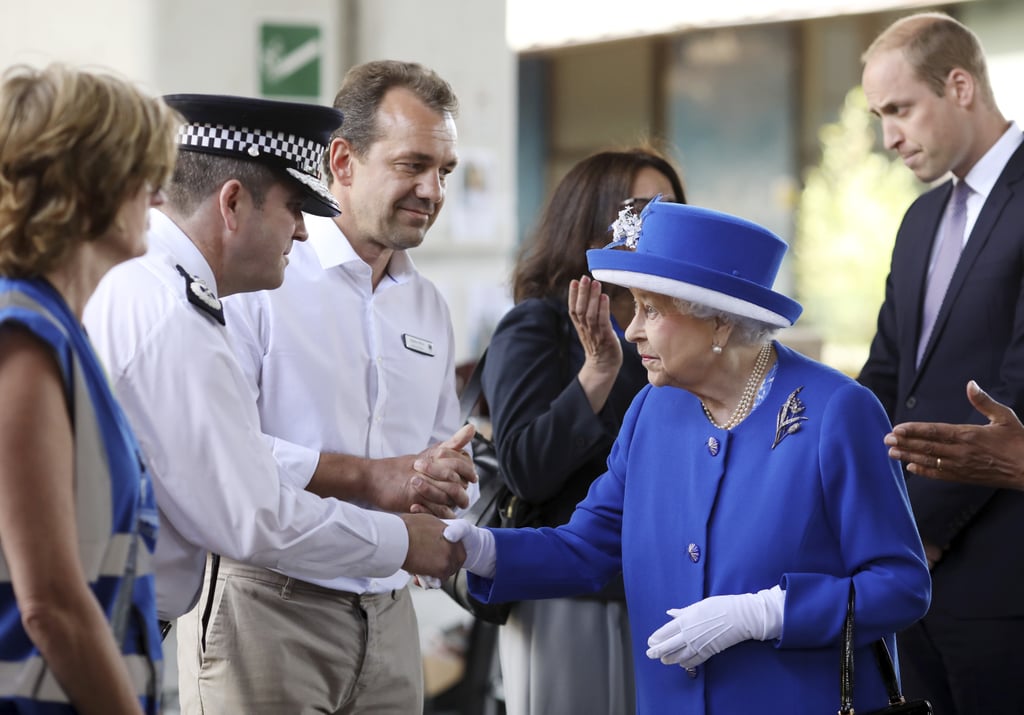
(430, 554)
(434, 481)
(991, 455)
(932, 553)
(443, 473)
(481, 552)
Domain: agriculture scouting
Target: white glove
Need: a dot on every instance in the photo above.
(708, 627)
(481, 555)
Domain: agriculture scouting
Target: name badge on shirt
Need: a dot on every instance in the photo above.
(418, 345)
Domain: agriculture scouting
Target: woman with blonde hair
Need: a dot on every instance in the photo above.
(82, 158)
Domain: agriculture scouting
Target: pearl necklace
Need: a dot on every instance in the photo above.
(749, 392)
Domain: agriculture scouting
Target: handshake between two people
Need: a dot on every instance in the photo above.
(457, 543)
(439, 484)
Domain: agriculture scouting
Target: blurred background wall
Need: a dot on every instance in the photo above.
(756, 101)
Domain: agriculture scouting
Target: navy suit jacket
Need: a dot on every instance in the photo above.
(979, 334)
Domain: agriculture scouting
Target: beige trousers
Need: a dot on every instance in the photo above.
(279, 646)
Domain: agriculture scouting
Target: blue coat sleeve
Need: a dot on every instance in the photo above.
(573, 559)
(866, 506)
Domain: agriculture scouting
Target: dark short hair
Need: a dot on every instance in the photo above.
(363, 89)
(196, 176)
(577, 217)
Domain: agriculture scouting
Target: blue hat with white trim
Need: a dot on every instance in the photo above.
(704, 257)
(287, 136)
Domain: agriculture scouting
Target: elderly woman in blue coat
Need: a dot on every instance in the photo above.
(748, 488)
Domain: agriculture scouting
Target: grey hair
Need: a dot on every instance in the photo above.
(746, 331)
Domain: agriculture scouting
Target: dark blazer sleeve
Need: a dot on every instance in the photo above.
(544, 428)
(881, 371)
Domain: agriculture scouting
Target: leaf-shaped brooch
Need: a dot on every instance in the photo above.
(789, 418)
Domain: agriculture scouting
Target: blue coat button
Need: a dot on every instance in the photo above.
(694, 551)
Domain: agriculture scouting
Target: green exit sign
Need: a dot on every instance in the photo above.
(290, 58)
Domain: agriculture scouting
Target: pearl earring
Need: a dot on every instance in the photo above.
(716, 348)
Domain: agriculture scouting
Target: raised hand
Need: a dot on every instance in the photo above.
(992, 454)
(590, 311)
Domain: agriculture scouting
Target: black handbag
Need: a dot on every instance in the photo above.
(898, 705)
(496, 507)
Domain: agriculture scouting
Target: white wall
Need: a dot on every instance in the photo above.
(112, 34)
(220, 54)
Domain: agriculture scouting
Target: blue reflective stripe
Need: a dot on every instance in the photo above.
(111, 487)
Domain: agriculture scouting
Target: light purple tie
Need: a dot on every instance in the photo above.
(947, 255)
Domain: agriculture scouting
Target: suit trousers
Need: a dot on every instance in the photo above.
(567, 656)
(964, 666)
(278, 645)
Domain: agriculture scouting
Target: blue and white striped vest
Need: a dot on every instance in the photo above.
(115, 511)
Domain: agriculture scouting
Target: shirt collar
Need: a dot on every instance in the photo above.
(166, 237)
(984, 174)
(333, 248)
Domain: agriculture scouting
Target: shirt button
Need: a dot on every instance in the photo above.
(911, 402)
(694, 551)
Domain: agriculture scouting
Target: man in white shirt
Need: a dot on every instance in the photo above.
(246, 170)
(353, 363)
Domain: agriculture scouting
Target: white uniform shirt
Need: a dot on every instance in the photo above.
(217, 485)
(342, 368)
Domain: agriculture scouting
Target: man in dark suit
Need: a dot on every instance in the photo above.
(953, 311)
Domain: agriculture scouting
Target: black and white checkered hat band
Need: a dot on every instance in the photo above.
(301, 152)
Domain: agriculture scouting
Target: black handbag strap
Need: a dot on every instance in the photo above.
(882, 659)
(846, 659)
(472, 390)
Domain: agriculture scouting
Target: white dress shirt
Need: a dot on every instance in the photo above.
(217, 485)
(342, 368)
(984, 174)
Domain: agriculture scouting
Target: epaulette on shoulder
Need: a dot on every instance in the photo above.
(200, 295)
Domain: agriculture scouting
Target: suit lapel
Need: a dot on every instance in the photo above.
(1002, 193)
